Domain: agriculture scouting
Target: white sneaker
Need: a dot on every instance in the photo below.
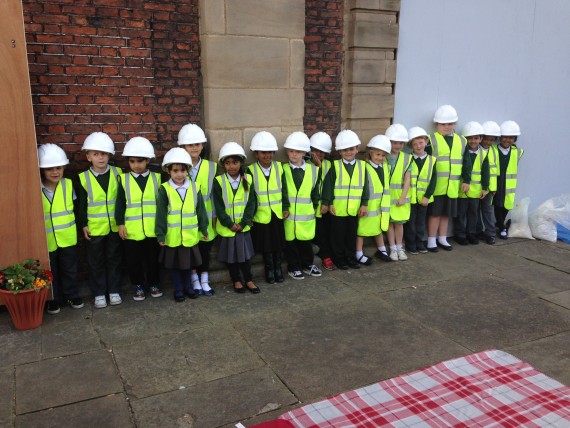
(100, 302)
(402, 255)
(312, 271)
(394, 256)
(115, 299)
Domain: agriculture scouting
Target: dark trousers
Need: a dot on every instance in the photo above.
(343, 240)
(142, 256)
(299, 254)
(500, 216)
(486, 217)
(182, 280)
(104, 262)
(63, 263)
(466, 221)
(245, 269)
(323, 236)
(415, 227)
(205, 248)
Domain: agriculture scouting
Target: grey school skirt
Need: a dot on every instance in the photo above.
(183, 258)
(443, 205)
(237, 249)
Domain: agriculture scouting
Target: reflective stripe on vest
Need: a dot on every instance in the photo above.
(100, 204)
(325, 168)
(421, 179)
(348, 189)
(205, 179)
(59, 218)
(397, 177)
(510, 174)
(301, 221)
(268, 191)
(378, 217)
(234, 204)
(449, 164)
(181, 218)
(140, 215)
(475, 187)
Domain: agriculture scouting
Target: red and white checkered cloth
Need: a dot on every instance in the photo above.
(487, 389)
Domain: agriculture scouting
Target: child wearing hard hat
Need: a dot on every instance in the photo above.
(400, 176)
(345, 196)
(269, 184)
(192, 138)
(486, 217)
(321, 145)
(454, 174)
(235, 205)
(508, 156)
(96, 195)
(135, 214)
(465, 225)
(422, 186)
(57, 198)
(180, 219)
(303, 194)
(377, 217)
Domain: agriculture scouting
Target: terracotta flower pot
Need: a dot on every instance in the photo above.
(26, 307)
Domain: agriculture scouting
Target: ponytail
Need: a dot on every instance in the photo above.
(243, 179)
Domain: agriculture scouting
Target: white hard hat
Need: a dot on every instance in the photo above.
(191, 134)
(321, 141)
(231, 149)
(263, 141)
(472, 128)
(397, 132)
(50, 155)
(416, 132)
(380, 142)
(491, 128)
(346, 139)
(100, 142)
(445, 114)
(139, 147)
(298, 141)
(510, 128)
(177, 155)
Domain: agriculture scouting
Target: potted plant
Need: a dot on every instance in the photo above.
(24, 289)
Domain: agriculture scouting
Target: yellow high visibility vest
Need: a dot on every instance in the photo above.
(140, 215)
(301, 221)
(511, 174)
(420, 180)
(325, 167)
(234, 204)
(100, 204)
(399, 213)
(449, 164)
(347, 189)
(492, 156)
(205, 179)
(378, 217)
(475, 187)
(59, 217)
(181, 218)
(268, 191)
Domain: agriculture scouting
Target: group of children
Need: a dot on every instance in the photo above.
(272, 208)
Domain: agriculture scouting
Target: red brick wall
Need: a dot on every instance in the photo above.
(323, 65)
(124, 67)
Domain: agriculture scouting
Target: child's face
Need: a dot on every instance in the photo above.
(473, 141)
(98, 159)
(377, 156)
(507, 142)
(138, 165)
(232, 166)
(178, 173)
(397, 147)
(349, 154)
(53, 175)
(295, 156)
(419, 145)
(487, 141)
(445, 128)
(194, 150)
(264, 158)
(318, 153)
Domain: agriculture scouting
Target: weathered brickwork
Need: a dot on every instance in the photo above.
(124, 67)
(323, 65)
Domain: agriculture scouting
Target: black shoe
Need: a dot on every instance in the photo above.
(278, 270)
(472, 240)
(490, 240)
(445, 247)
(239, 290)
(368, 261)
(52, 307)
(432, 249)
(412, 250)
(353, 264)
(191, 294)
(269, 268)
(460, 240)
(342, 266)
(253, 290)
(179, 297)
(382, 255)
(422, 249)
(76, 303)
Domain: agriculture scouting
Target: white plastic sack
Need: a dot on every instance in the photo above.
(519, 220)
(543, 220)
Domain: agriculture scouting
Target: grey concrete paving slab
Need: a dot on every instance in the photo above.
(546, 253)
(211, 404)
(180, 360)
(109, 411)
(18, 347)
(60, 381)
(536, 278)
(7, 396)
(340, 345)
(69, 337)
(560, 299)
(550, 355)
(482, 311)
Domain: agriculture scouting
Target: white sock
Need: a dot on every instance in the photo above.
(442, 240)
(205, 281)
(432, 242)
(359, 254)
(382, 249)
(196, 281)
(393, 248)
(399, 247)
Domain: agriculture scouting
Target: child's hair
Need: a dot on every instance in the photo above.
(241, 169)
(170, 166)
